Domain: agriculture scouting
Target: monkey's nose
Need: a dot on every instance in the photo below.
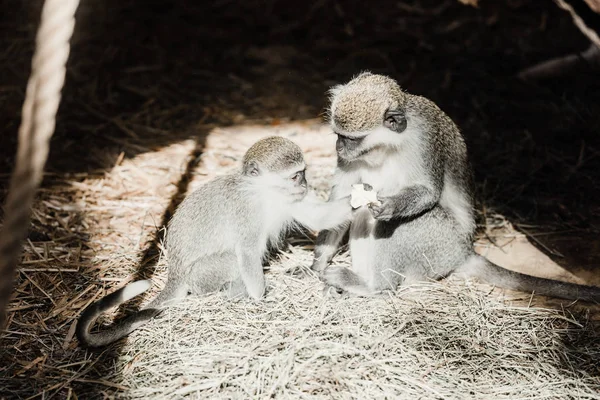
(345, 142)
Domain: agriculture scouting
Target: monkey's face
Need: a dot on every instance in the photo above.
(292, 182)
(368, 117)
(276, 164)
(289, 183)
(367, 145)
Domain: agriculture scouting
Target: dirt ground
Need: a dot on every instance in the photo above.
(149, 85)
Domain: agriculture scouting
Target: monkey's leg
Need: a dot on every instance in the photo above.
(251, 272)
(344, 278)
(236, 289)
(426, 248)
(328, 243)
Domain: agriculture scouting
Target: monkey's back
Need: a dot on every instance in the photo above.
(445, 139)
(448, 145)
(211, 220)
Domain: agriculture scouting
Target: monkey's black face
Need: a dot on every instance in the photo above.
(366, 144)
(349, 148)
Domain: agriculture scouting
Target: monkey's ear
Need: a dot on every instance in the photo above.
(251, 169)
(395, 120)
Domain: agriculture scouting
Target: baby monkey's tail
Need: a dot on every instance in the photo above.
(121, 329)
(481, 268)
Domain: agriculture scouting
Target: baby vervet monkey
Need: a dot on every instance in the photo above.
(218, 236)
(422, 225)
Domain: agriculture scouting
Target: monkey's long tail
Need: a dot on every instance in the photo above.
(121, 329)
(481, 268)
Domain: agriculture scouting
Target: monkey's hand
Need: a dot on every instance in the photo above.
(384, 209)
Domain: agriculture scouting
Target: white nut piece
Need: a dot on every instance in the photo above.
(361, 197)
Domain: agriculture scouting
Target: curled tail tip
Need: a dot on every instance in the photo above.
(89, 315)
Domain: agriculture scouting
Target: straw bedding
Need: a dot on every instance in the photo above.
(443, 340)
(430, 341)
(435, 340)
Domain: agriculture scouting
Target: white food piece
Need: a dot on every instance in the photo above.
(361, 197)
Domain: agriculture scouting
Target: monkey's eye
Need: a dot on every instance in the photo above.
(298, 176)
(395, 121)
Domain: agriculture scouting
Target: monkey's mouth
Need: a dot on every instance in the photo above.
(351, 149)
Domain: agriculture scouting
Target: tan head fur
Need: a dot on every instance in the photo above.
(359, 105)
(274, 154)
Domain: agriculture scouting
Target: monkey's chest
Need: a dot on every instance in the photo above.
(386, 180)
(274, 223)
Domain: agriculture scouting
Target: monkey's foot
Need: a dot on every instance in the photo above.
(235, 290)
(344, 278)
(561, 66)
(318, 266)
(332, 291)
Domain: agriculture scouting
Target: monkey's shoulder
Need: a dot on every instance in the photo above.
(221, 198)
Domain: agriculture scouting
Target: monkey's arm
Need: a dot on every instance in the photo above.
(410, 202)
(318, 215)
(327, 245)
(328, 241)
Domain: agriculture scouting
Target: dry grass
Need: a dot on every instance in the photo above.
(434, 340)
(429, 341)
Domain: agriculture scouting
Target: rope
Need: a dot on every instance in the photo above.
(594, 7)
(37, 126)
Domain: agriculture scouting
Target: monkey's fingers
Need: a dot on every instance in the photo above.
(376, 208)
(381, 211)
(332, 291)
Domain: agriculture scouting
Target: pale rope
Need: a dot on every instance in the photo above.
(589, 32)
(37, 126)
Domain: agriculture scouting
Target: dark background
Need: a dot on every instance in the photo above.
(153, 71)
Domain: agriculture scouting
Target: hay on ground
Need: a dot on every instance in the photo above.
(444, 340)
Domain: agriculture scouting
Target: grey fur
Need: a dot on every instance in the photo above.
(424, 228)
(220, 234)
